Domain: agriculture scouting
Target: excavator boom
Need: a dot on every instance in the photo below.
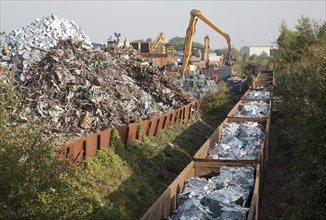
(194, 15)
(161, 37)
(206, 41)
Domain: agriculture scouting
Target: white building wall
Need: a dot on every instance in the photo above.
(259, 50)
(246, 50)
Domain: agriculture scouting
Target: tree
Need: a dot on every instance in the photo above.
(224, 51)
(178, 43)
(34, 184)
(301, 85)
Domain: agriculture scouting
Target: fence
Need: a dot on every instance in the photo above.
(86, 147)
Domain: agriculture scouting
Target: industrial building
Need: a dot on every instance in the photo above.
(258, 50)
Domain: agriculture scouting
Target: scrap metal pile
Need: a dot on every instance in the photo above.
(23, 46)
(253, 110)
(198, 85)
(239, 142)
(74, 88)
(258, 94)
(221, 197)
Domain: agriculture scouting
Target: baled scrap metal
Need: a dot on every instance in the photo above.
(238, 142)
(197, 85)
(80, 89)
(258, 94)
(253, 110)
(220, 197)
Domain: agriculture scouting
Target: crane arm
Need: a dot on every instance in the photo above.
(161, 36)
(188, 42)
(191, 32)
(206, 41)
(202, 17)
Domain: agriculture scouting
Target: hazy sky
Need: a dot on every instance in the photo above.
(251, 23)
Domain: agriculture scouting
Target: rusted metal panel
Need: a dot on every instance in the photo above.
(76, 150)
(91, 145)
(170, 118)
(191, 110)
(194, 105)
(181, 115)
(172, 122)
(132, 131)
(266, 73)
(153, 126)
(214, 138)
(144, 130)
(198, 104)
(186, 113)
(161, 122)
(123, 132)
(63, 152)
(176, 118)
(253, 213)
(85, 147)
(105, 138)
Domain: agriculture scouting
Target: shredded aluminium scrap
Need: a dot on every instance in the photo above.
(81, 89)
(258, 94)
(24, 46)
(198, 85)
(253, 110)
(73, 89)
(221, 197)
(240, 141)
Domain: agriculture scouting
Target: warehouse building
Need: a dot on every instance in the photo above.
(258, 50)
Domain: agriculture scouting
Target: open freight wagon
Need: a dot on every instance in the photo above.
(258, 95)
(164, 206)
(240, 107)
(263, 79)
(216, 138)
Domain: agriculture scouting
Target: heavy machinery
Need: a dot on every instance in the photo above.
(194, 15)
(206, 43)
(161, 37)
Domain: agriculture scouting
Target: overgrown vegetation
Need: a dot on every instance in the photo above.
(300, 66)
(33, 184)
(120, 183)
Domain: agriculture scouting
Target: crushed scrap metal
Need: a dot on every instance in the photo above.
(77, 89)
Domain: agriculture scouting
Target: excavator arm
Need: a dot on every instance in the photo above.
(161, 37)
(194, 15)
(206, 41)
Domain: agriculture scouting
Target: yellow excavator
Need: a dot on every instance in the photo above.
(206, 43)
(161, 37)
(194, 15)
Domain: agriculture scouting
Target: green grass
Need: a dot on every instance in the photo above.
(156, 161)
(122, 182)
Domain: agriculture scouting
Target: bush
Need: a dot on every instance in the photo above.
(301, 84)
(33, 183)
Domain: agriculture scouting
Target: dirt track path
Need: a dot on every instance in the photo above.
(274, 194)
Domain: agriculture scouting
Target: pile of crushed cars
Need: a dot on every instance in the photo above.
(75, 89)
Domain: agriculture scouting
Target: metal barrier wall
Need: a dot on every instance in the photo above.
(86, 147)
